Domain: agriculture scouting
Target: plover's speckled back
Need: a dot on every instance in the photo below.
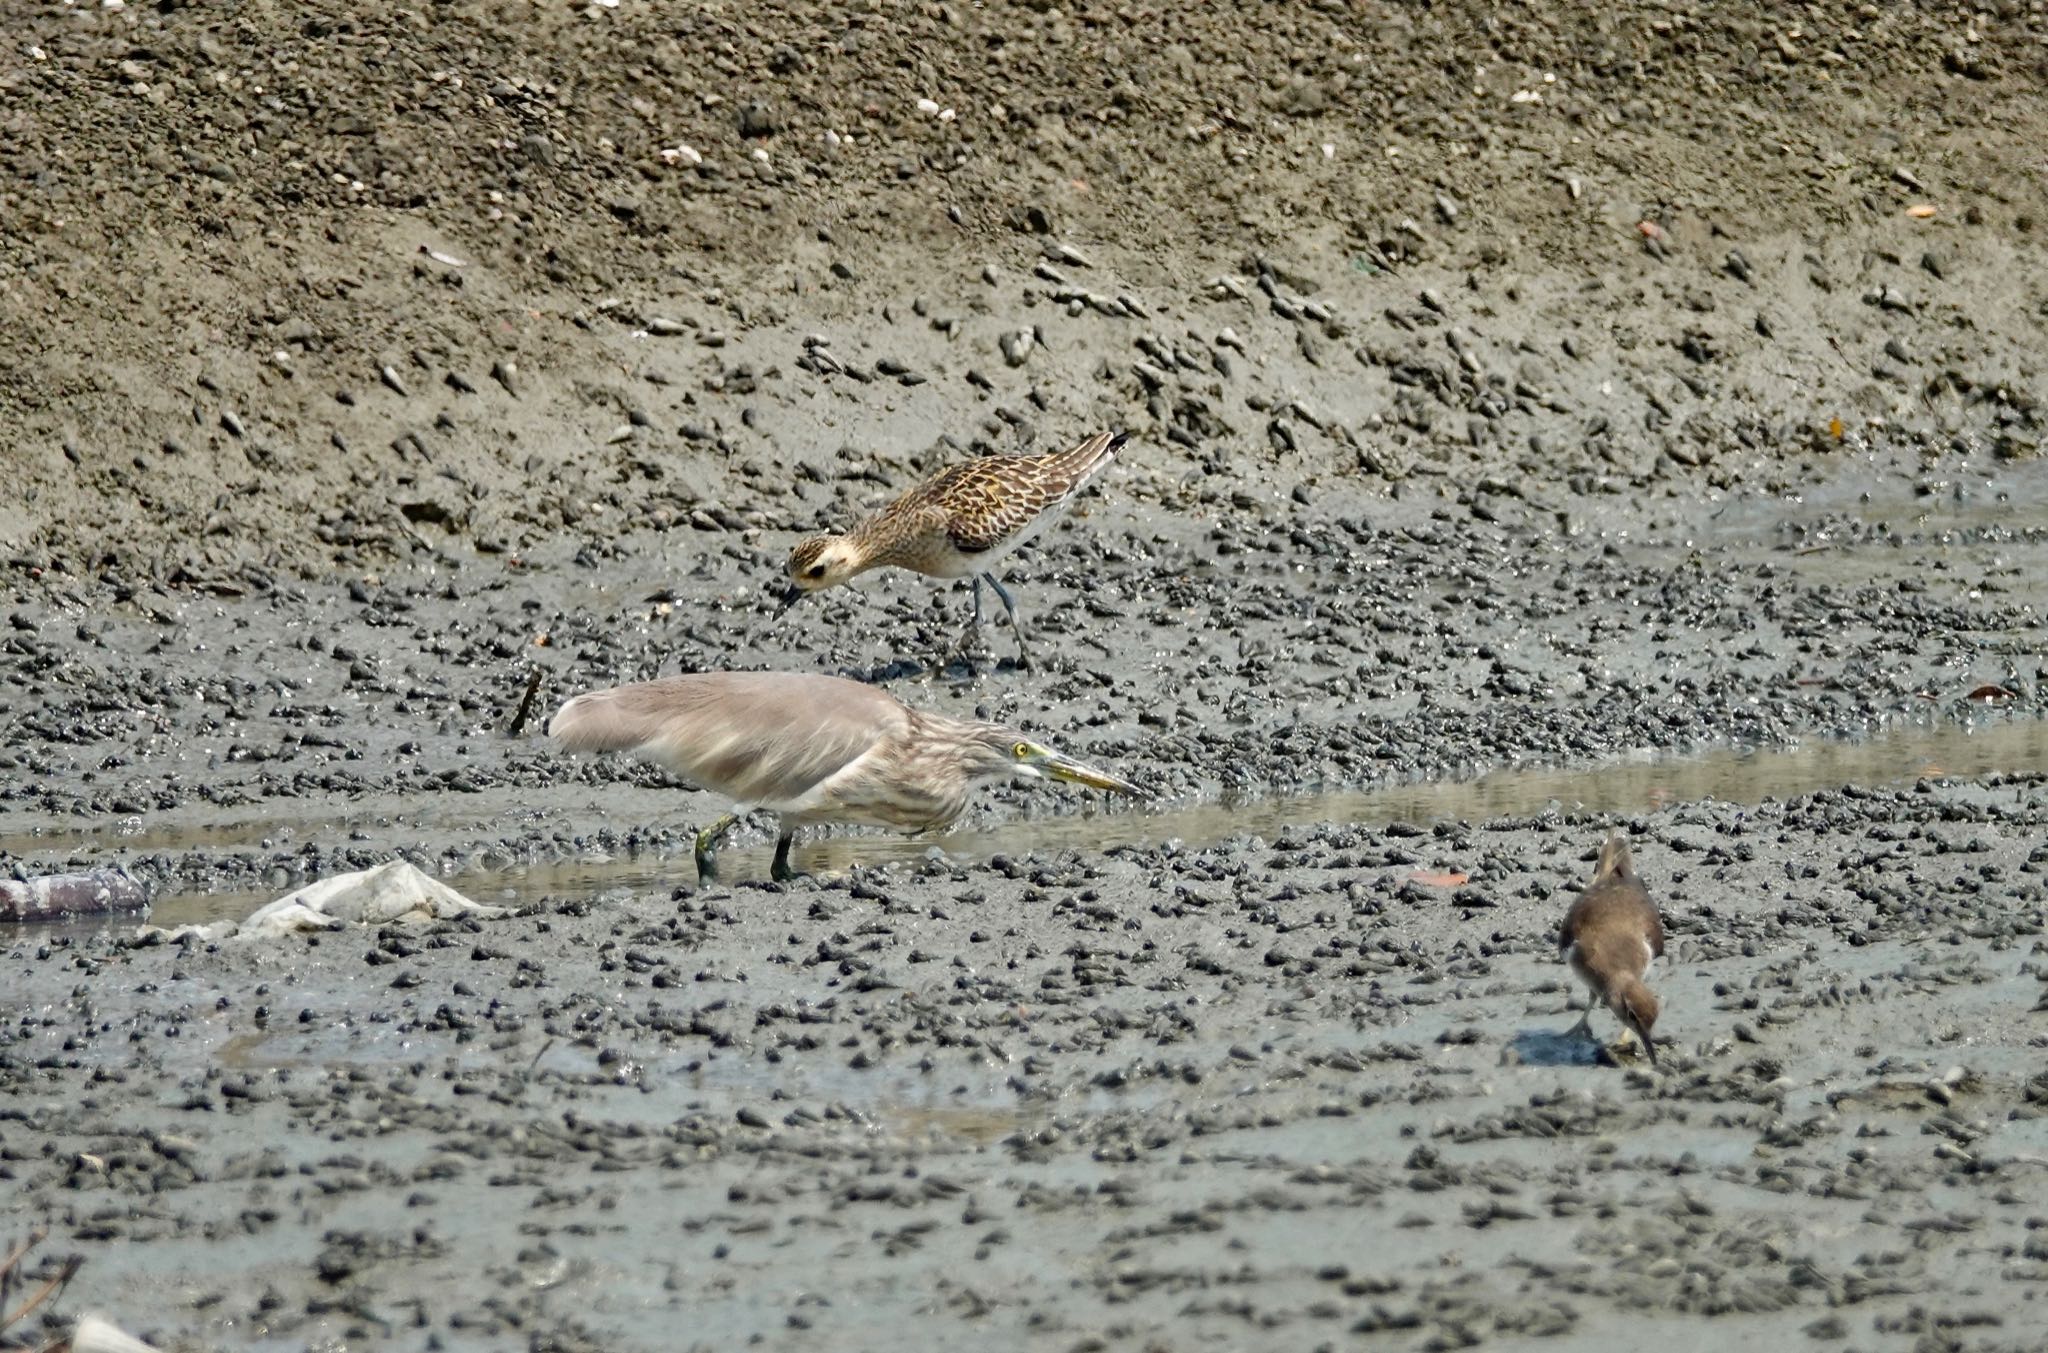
(958, 524)
(1610, 937)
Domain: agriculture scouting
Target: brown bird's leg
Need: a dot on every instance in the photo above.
(1585, 1024)
(1009, 605)
(781, 871)
(707, 847)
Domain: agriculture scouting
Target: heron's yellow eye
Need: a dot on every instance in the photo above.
(1021, 750)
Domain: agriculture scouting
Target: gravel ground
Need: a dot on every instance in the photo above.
(1506, 449)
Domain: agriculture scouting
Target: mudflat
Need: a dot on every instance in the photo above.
(1543, 424)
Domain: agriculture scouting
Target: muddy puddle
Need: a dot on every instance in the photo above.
(1998, 498)
(1990, 744)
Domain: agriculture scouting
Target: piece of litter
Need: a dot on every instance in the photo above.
(96, 1334)
(393, 893)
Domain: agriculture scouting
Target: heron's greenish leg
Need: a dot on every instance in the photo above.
(781, 871)
(707, 847)
(1009, 605)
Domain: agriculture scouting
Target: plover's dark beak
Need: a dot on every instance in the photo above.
(790, 597)
(1643, 1037)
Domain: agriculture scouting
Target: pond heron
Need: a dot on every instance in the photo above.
(810, 749)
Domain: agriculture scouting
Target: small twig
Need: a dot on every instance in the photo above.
(535, 1063)
(35, 1238)
(50, 1288)
(525, 705)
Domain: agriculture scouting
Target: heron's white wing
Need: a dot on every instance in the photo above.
(763, 739)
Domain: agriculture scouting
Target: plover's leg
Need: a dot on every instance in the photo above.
(1585, 1024)
(781, 871)
(1010, 605)
(707, 847)
(973, 630)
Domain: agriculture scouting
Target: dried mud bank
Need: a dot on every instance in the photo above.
(294, 291)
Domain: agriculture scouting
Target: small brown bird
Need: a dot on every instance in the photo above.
(957, 524)
(810, 749)
(1610, 936)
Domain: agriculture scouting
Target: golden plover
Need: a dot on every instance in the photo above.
(957, 524)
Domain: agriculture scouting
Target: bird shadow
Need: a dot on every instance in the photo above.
(1547, 1047)
(960, 673)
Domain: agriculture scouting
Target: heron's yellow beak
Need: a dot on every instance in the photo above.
(1054, 766)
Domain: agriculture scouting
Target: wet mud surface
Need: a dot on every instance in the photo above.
(1514, 460)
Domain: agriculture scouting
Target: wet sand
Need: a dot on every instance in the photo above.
(1263, 1063)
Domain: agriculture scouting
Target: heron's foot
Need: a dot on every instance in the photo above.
(782, 871)
(707, 847)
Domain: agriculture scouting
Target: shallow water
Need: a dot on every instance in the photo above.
(1643, 783)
